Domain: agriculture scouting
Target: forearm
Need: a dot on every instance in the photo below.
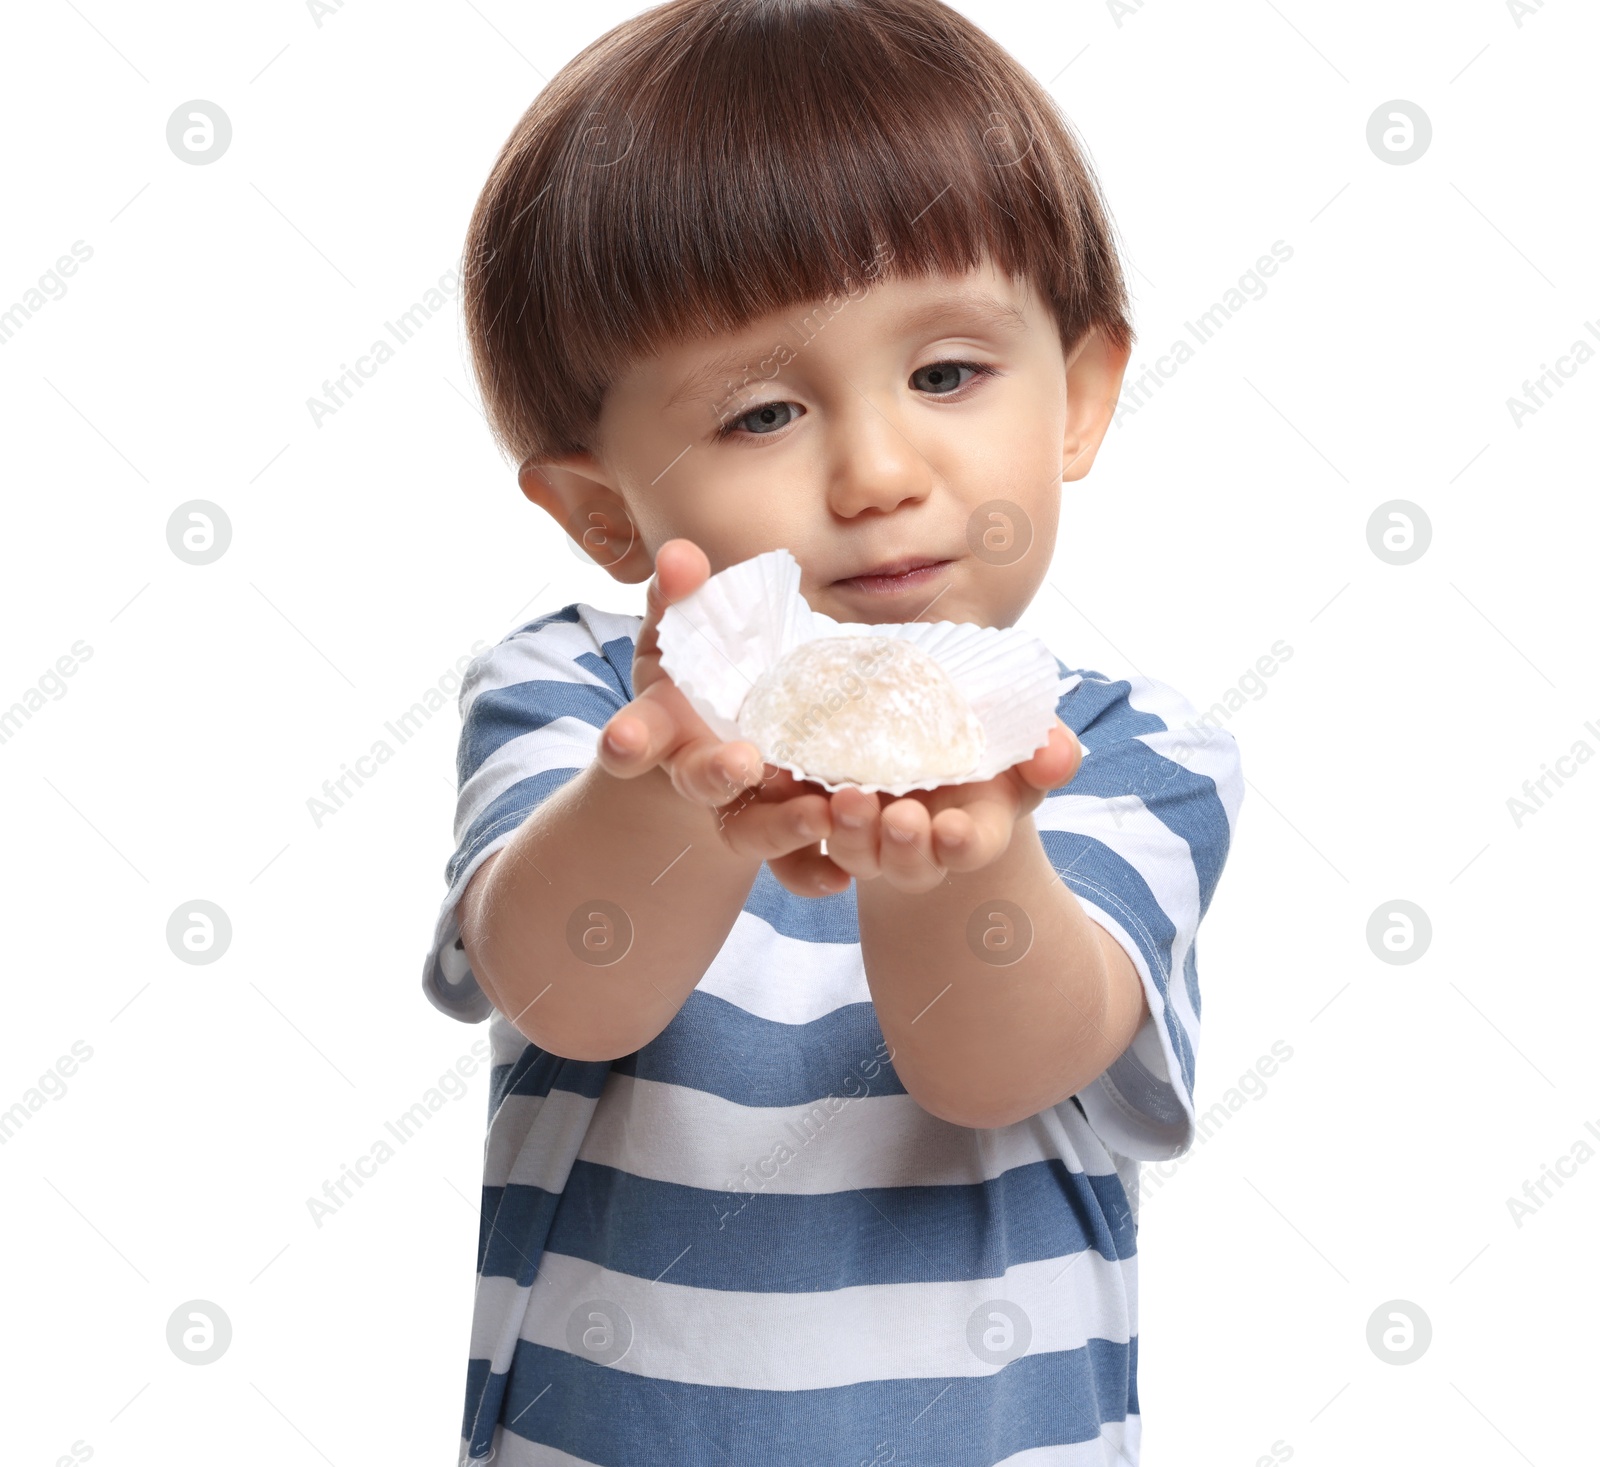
(544, 946)
(981, 1042)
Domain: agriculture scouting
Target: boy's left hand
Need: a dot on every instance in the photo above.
(913, 840)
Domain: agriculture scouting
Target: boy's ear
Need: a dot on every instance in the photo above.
(1094, 382)
(576, 493)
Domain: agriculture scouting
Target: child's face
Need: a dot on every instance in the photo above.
(926, 420)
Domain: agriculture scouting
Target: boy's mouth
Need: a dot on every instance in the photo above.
(906, 574)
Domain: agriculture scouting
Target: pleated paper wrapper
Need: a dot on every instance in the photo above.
(718, 641)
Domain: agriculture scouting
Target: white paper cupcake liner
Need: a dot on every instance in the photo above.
(718, 641)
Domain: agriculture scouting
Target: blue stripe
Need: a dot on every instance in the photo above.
(806, 919)
(513, 1224)
(768, 1242)
(718, 1048)
(537, 1072)
(614, 667)
(485, 1393)
(829, 918)
(512, 1229)
(1098, 874)
(499, 715)
(1187, 803)
(568, 613)
(603, 1414)
(1098, 697)
(504, 813)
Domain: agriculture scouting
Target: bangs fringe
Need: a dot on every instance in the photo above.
(711, 161)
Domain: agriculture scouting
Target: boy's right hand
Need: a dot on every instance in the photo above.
(661, 727)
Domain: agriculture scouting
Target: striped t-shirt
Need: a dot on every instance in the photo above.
(746, 1242)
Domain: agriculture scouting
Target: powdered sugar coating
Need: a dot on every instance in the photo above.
(862, 710)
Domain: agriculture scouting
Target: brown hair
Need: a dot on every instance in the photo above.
(709, 161)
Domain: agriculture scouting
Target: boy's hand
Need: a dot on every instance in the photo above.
(661, 727)
(911, 841)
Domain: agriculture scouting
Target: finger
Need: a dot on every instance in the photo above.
(681, 567)
(854, 840)
(1054, 764)
(779, 784)
(652, 730)
(710, 772)
(639, 736)
(905, 850)
(636, 738)
(807, 872)
(968, 837)
(756, 828)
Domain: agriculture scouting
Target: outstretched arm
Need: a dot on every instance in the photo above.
(998, 994)
(590, 927)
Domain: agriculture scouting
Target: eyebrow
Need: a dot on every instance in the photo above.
(957, 307)
(972, 306)
(721, 374)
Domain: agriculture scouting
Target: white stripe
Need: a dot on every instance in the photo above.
(764, 972)
(508, 1156)
(510, 1450)
(546, 654)
(1126, 1131)
(1208, 752)
(691, 1138)
(1166, 865)
(1128, 1174)
(563, 743)
(497, 1312)
(1134, 832)
(506, 1041)
(785, 979)
(1117, 1446)
(549, 653)
(834, 1337)
(460, 995)
(1118, 924)
(1144, 841)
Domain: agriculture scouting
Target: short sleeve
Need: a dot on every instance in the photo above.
(532, 708)
(1140, 834)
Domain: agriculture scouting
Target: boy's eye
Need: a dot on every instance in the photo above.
(942, 378)
(937, 379)
(767, 418)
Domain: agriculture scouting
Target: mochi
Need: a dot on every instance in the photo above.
(862, 710)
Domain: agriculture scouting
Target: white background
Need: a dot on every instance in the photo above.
(370, 553)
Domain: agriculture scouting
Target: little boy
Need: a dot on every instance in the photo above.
(815, 1119)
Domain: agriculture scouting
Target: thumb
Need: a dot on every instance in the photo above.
(681, 567)
(1057, 763)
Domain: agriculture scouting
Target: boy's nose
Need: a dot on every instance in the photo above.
(874, 464)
